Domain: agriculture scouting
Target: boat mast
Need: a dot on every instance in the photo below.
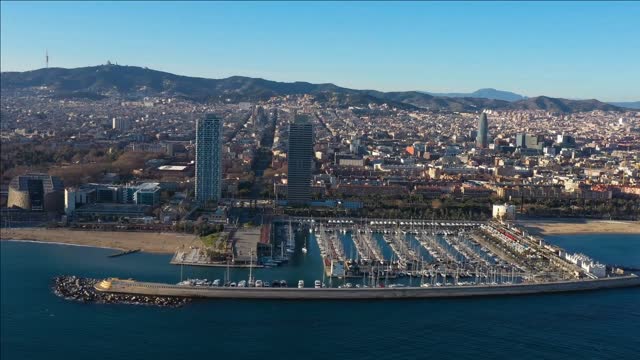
(226, 275)
(250, 265)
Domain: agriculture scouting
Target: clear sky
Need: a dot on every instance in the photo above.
(571, 50)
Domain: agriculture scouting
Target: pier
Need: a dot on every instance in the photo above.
(116, 286)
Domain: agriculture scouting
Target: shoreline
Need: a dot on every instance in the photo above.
(545, 227)
(58, 243)
(159, 243)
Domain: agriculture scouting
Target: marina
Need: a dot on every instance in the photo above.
(373, 253)
(434, 252)
(394, 259)
(372, 259)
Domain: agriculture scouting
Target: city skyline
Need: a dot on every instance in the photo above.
(531, 49)
(289, 162)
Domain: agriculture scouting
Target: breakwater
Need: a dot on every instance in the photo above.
(84, 290)
(126, 252)
(158, 289)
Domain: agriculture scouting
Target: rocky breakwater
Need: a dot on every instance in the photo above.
(83, 289)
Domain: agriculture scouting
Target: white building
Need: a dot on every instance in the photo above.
(587, 264)
(504, 212)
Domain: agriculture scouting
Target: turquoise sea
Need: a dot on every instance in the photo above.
(35, 324)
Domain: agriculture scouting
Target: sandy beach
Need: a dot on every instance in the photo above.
(165, 243)
(572, 226)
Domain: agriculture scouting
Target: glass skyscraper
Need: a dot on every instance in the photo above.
(300, 161)
(208, 159)
(482, 141)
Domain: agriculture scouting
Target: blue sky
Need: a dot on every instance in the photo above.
(571, 50)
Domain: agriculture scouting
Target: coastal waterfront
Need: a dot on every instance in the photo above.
(165, 243)
(29, 307)
(579, 226)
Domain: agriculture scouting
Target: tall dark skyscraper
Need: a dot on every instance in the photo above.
(482, 140)
(208, 158)
(300, 160)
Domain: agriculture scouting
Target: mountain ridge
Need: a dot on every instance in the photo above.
(132, 81)
(485, 93)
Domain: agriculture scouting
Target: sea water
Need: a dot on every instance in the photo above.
(38, 325)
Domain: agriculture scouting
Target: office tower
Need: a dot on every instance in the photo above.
(208, 159)
(566, 140)
(121, 124)
(529, 141)
(300, 161)
(482, 141)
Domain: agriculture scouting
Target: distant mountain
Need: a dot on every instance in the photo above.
(628, 105)
(102, 81)
(487, 93)
(563, 105)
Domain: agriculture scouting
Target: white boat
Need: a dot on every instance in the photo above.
(300, 284)
(317, 284)
(304, 248)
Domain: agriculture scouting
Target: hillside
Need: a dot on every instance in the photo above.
(97, 82)
(628, 105)
(563, 105)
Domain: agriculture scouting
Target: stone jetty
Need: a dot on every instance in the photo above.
(83, 290)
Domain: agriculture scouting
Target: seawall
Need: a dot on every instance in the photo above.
(159, 289)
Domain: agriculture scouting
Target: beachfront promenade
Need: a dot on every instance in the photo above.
(158, 289)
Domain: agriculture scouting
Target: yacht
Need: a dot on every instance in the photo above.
(300, 284)
(317, 284)
(259, 283)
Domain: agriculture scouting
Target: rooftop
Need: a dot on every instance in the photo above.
(172, 167)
